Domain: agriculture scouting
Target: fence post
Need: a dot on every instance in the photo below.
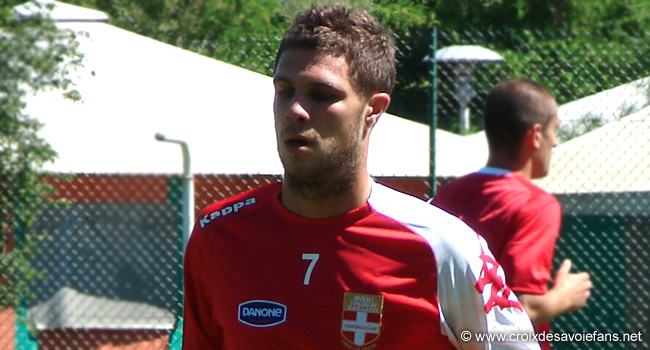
(187, 208)
(433, 106)
(25, 340)
(175, 198)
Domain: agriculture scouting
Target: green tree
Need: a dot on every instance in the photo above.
(512, 14)
(208, 27)
(537, 37)
(34, 56)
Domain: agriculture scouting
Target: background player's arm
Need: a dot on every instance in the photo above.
(569, 293)
(527, 258)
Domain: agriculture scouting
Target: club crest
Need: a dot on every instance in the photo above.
(361, 323)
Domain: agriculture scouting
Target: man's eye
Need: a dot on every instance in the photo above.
(323, 96)
(284, 92)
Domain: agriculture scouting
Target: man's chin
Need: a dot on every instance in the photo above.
(306, 176)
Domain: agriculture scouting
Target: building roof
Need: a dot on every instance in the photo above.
(612, 158)
(59, 12)
(71, 309)
(605, 106)
(133, 87)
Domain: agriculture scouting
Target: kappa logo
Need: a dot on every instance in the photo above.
(361, 323)
(208, 218)
(261, 313)
(499, 291)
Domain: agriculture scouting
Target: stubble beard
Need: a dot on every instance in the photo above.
(332, 176)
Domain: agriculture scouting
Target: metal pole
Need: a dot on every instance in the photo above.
(433, 124)
(188, 187)
(463, 116)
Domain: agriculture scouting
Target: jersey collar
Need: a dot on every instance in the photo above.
(488, 170)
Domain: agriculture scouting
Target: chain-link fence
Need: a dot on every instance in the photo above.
(600, 172)
(108, 271)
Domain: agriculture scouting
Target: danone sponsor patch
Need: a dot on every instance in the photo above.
(361, 323)
(261, 313)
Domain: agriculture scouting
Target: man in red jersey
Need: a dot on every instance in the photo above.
(519, 220)
(328, 258)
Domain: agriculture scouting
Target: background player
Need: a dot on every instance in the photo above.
(329, 259)
(519, 220)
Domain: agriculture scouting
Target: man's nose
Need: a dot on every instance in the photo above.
(298, 110)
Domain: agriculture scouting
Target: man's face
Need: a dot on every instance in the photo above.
(548, 141)
(318, 117)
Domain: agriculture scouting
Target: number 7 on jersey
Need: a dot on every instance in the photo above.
(312, 258)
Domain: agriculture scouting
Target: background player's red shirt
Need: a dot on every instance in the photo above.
(519, 221)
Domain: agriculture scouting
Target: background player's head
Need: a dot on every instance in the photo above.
(520, 118)
(351, 33)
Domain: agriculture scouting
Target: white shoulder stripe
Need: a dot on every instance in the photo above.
(458, 254)
(423, 218)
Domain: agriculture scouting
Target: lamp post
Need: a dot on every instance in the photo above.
(464, 58)
(188, 187)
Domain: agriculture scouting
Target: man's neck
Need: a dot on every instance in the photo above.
(323, 201)
(523, 168)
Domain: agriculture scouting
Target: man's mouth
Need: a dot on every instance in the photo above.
(297, 142)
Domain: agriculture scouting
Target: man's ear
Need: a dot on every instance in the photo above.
(534, 136)
(377, 105)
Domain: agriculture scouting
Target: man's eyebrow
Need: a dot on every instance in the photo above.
(318, 84)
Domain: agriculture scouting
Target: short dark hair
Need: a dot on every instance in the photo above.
(511, 108)
(352, 33)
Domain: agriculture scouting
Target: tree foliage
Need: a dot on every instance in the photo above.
(493, 14)
(200, 26)
(34, 56)
(246, 33)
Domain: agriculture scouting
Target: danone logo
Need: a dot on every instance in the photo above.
(262, 313)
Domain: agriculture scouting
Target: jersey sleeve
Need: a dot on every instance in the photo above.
(200, 331)
(474, 299)
(527, 255)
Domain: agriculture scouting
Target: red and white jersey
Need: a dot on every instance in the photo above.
(519, 221)
(395, 273)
